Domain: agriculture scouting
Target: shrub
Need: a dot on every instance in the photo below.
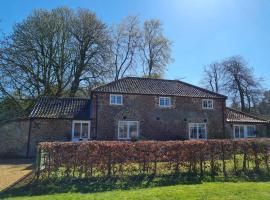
(115, 158)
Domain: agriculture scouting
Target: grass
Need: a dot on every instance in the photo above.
(184, 186)
(204, 191)
(12, 170)
(251, 184)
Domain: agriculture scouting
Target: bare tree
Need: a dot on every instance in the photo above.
(124, 46)
(91, 49)
(263, 106)
(240, 80)
(155, 49)
(236, 79)
(213, 77)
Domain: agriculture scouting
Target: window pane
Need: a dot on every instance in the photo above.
(113, 99)
(116, 99)
(123, 130)
(165, 101)
(201, 131)
(236, 131)
(77, 130)
(119, 99)
(133, 129)
(161, 101)
(205, 104)
(251, 131)
(168, 102)
(193, 131)
(242, 131)
(210, 104)
(84, 130)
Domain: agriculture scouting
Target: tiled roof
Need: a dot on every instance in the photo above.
(150, 86)
(61, 108)
(235, 116)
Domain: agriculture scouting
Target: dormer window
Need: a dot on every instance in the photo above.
(207, 104)
(116, 99)
(165, 102)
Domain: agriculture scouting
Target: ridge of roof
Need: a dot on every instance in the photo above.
(157, 79)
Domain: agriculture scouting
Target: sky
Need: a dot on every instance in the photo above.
(202, 31)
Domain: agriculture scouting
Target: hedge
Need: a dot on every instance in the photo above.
(116, 158)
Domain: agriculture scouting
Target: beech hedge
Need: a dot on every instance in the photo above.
(116, 158)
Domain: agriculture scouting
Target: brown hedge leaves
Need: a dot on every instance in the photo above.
(115, 158)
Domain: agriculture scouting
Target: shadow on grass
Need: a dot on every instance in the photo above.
(31, 187)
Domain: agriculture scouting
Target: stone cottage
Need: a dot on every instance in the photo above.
(141, 108)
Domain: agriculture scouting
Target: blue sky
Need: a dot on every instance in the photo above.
(202, 31)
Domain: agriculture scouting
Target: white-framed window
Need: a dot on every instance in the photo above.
(244, 131)
(116, 99)
(128, 129)
(207, 104)
(165, 102)
(80, 130)
(197, 131)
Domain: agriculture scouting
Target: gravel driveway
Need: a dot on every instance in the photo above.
(13, 170)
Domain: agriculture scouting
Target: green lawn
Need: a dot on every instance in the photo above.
(207, 191)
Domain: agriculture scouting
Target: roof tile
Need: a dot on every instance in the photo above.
(150, 86)
(236, 116)
(67, 108)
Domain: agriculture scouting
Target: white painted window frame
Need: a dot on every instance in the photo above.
(81, 122)
(128, 134)
(203, 100)
(197, 124)
(116, 95)
(245, 130)
(164, 106)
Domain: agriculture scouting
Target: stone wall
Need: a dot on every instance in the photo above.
(49, 130)
(155, 122)
(14, 135)
(13, 138)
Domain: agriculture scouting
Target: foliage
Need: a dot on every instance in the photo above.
(65, 52)
(51, 52)
(10, 109)
(113, 158)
